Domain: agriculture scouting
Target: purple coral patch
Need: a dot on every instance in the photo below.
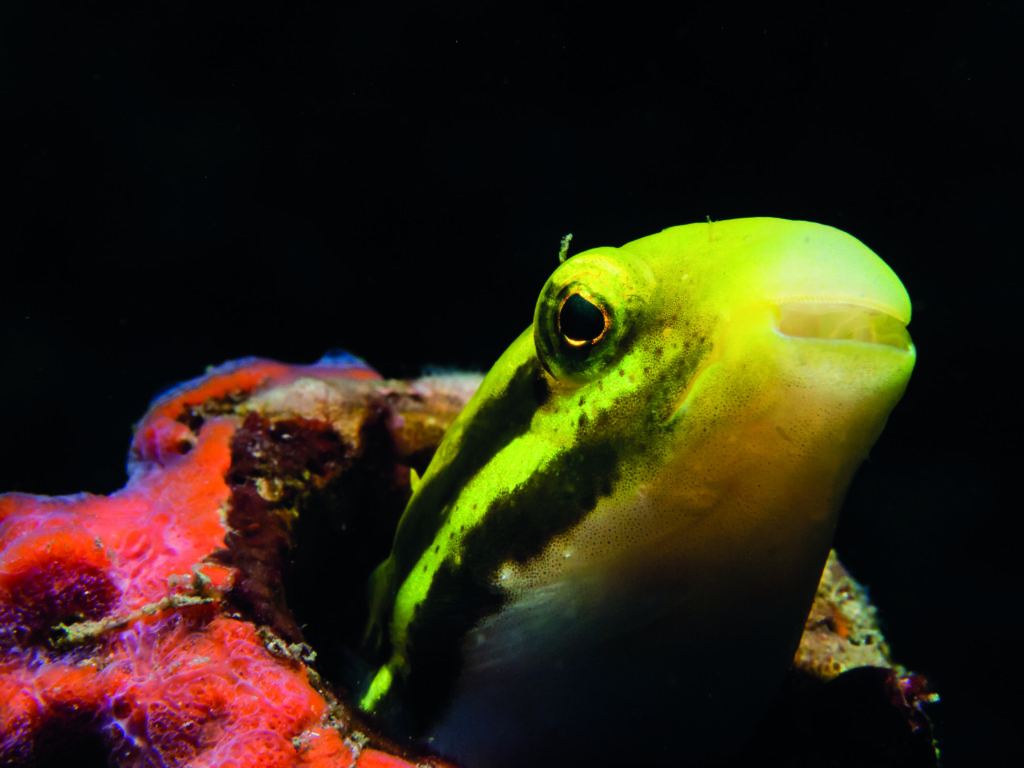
(52, 593)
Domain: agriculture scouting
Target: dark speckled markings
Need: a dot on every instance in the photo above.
(554, 501)
(517, 526)
(496, 425)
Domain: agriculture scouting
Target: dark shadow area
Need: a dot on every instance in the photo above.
(62, 744)
(343, 532)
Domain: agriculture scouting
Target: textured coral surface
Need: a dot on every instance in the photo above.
(174, 623)
(146, 619)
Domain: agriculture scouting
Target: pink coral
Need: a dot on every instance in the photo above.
(115, 612)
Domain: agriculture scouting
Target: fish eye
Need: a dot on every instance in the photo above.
(588, 313)
(582, 322)
(578, 329)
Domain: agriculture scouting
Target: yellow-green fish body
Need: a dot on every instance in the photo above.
(615, 547)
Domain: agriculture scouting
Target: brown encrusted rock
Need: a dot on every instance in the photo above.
(845, 703)
(842, 629)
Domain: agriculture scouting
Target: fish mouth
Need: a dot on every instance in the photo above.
(842, 322)
(837, 321)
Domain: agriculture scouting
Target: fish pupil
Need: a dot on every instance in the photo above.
(581, 321)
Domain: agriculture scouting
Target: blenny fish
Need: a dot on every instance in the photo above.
(620, 537)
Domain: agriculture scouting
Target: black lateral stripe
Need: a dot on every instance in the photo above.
(518, 527)
(503, 418)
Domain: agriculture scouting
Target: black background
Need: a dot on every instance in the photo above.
(187, 183)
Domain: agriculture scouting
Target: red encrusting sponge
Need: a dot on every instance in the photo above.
(115, 627)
